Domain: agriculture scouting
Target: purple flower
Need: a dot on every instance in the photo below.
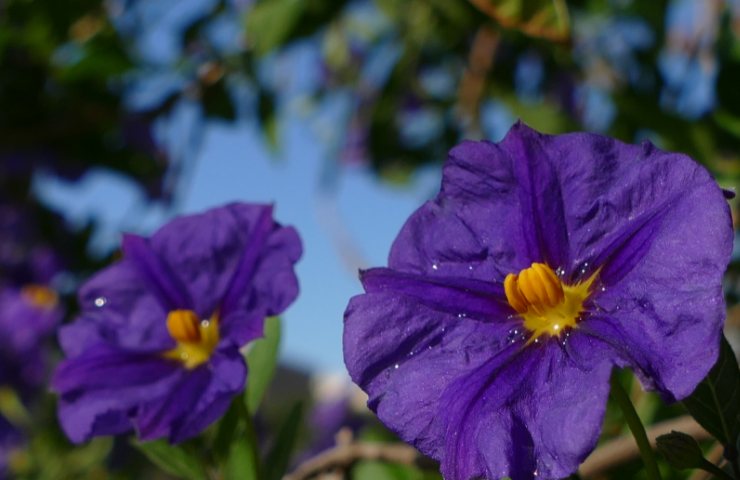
(544, 262)
(28, 317)
(156, 347)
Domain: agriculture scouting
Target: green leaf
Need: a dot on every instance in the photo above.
(374, 469)
(242, 463)
(277, 461)
(262, 359)
(236, 445)
(715, 403)
(271, 22)
(172, 459)
(537, 18)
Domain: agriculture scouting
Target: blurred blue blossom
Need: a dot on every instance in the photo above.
(688, 62)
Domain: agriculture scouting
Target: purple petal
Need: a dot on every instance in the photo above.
(157, 275)
(119, 308)
(242, 278)
(540, 196)
(227, 256)
(155, 418)
(100, 390)
(229, 373)
(499, 210)
(105, 367)
(405, 354)
(466, 297)
(538, 409)
(202, 396)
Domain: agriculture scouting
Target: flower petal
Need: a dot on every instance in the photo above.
(156, 274)
(665, 314)
(500, 209)
(538, 409)
(459, 296)
(229, 373)
(405, 354)
(101, 387)
(202, 396)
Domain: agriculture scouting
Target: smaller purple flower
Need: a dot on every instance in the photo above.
(156, 346)
(28, 317)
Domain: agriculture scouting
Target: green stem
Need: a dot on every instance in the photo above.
(636, 427)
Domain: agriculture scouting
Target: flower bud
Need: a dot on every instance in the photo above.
(680, 450)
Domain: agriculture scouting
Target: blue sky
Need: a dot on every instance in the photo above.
(352, 227)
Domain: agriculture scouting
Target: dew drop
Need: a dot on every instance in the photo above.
(205, 323)
(435, 266)
(511, 337)
(560, 272)
(470, 267)
(100, 301)
(395, 367)
(462, 315)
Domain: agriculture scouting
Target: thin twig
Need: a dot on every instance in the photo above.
(473, 82)
(607, 456)
(343, 456)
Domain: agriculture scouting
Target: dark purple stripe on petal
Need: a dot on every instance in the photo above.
(228, 379)
(464, 296)
(248, 263)
(105, 367)
(541, 199)
(171, 292)
(626, 251)
(157, 418)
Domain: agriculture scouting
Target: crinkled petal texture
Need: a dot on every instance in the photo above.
(445, 360)
(232, 262)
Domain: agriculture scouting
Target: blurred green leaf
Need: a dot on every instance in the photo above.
(242, 463)
(715, 403)
(375, 470)
(172, 459)
(261, 360)
(538, 18)
(236, 444)
(270, 23)
(278, 459)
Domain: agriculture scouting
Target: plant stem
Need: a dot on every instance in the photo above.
(638, 430)
(715, 470)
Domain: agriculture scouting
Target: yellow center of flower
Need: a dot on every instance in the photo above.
(545, 303)
(40, 296)
(196, 338)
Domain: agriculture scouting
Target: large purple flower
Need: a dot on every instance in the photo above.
(156, 347)
(544, 262)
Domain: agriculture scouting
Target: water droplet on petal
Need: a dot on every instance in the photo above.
(100, 301)
(435, 266)
(395, 367)
(513, 335)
